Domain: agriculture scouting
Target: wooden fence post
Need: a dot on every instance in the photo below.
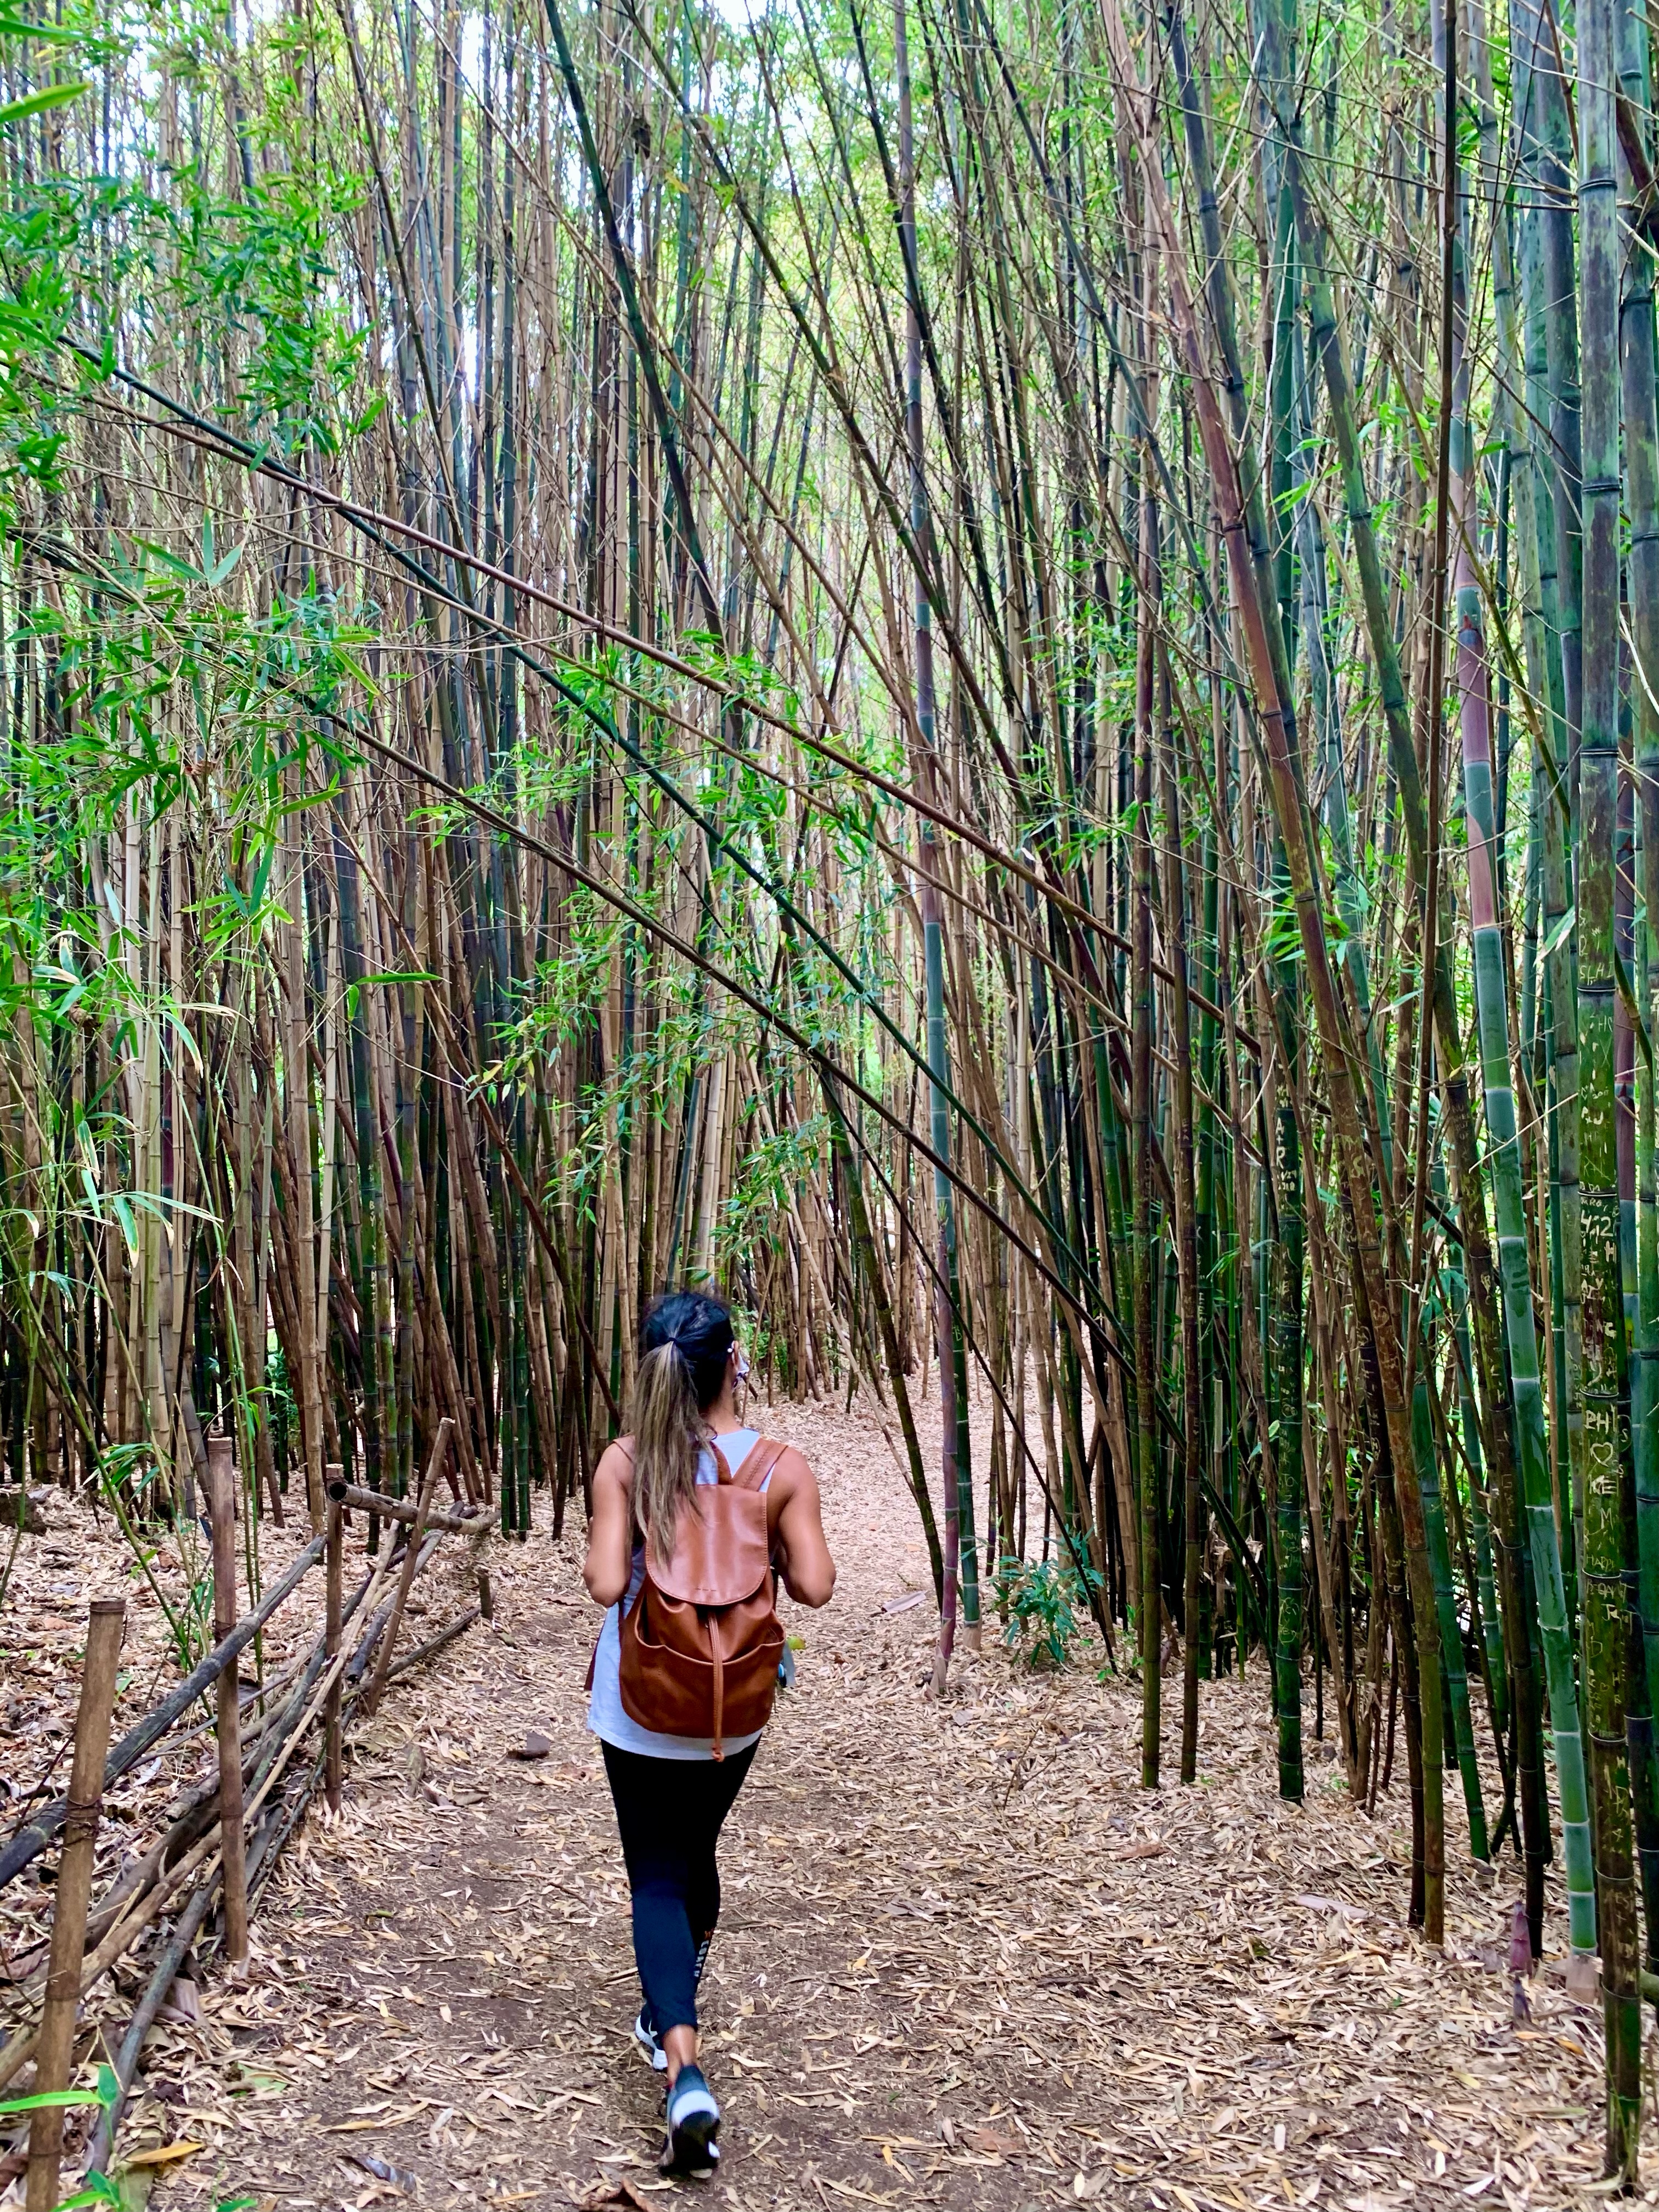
(221, 1506)
(104, 1624)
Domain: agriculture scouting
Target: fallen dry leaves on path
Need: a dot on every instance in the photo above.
(965, 1959)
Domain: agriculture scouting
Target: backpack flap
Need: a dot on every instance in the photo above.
(721, 1550)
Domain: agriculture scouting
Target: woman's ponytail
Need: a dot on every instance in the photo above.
(684, 1348)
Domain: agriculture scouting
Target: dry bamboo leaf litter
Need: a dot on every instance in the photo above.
(963, 1959)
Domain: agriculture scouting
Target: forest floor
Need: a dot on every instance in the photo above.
(964, 1960)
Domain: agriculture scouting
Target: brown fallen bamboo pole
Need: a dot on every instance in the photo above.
(222, 1509)
(336, 1572)
(411, 1560)
(354, 1669)
(184, 1932)
(195, 1912)
(147, 1903)
(433, 1645)
(120, 1939)
(268, 1847)
(29, 1842)
(399, 1509)
(106, 1622)
(128, 1910)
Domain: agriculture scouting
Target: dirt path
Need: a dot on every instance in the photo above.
(965, 1959)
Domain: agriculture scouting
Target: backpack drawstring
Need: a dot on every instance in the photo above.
(719, 1683)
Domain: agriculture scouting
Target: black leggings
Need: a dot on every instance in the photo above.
(668, 1812)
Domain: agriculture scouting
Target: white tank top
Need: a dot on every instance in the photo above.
(606, 1715)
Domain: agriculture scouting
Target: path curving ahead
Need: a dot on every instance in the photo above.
(965, 1959)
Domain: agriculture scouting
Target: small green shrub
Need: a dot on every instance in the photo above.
(1041, 1605)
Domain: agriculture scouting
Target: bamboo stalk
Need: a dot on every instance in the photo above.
(1605, 1646)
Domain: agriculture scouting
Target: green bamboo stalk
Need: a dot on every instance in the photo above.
(1469, 1424)
(1641, 455)
(1445, 1601)
(1283, 1331)
(1639, 1715)
(1187, 1299)
(1403, 762)
(1348, 1105)
(961, 1561)
(1285, 1272)
(371, 1238)
(1148, 1462)
(1212, 1369)
(1505, 1151)
(1319, 646)
(1544, 262)
(1605, 1366)
(1550, 1602)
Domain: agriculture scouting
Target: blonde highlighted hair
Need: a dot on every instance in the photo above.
(684, 1345)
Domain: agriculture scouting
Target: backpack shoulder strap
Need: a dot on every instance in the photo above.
(762, 1456)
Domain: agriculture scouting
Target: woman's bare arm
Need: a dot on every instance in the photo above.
(809, 1572)
(610, 1534)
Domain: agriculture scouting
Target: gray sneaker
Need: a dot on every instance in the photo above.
(693, 2121)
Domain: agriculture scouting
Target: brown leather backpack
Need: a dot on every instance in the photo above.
(701, 1644)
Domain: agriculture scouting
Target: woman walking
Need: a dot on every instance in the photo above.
(695, 1515)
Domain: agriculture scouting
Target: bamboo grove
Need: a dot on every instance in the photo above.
(990, 674)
